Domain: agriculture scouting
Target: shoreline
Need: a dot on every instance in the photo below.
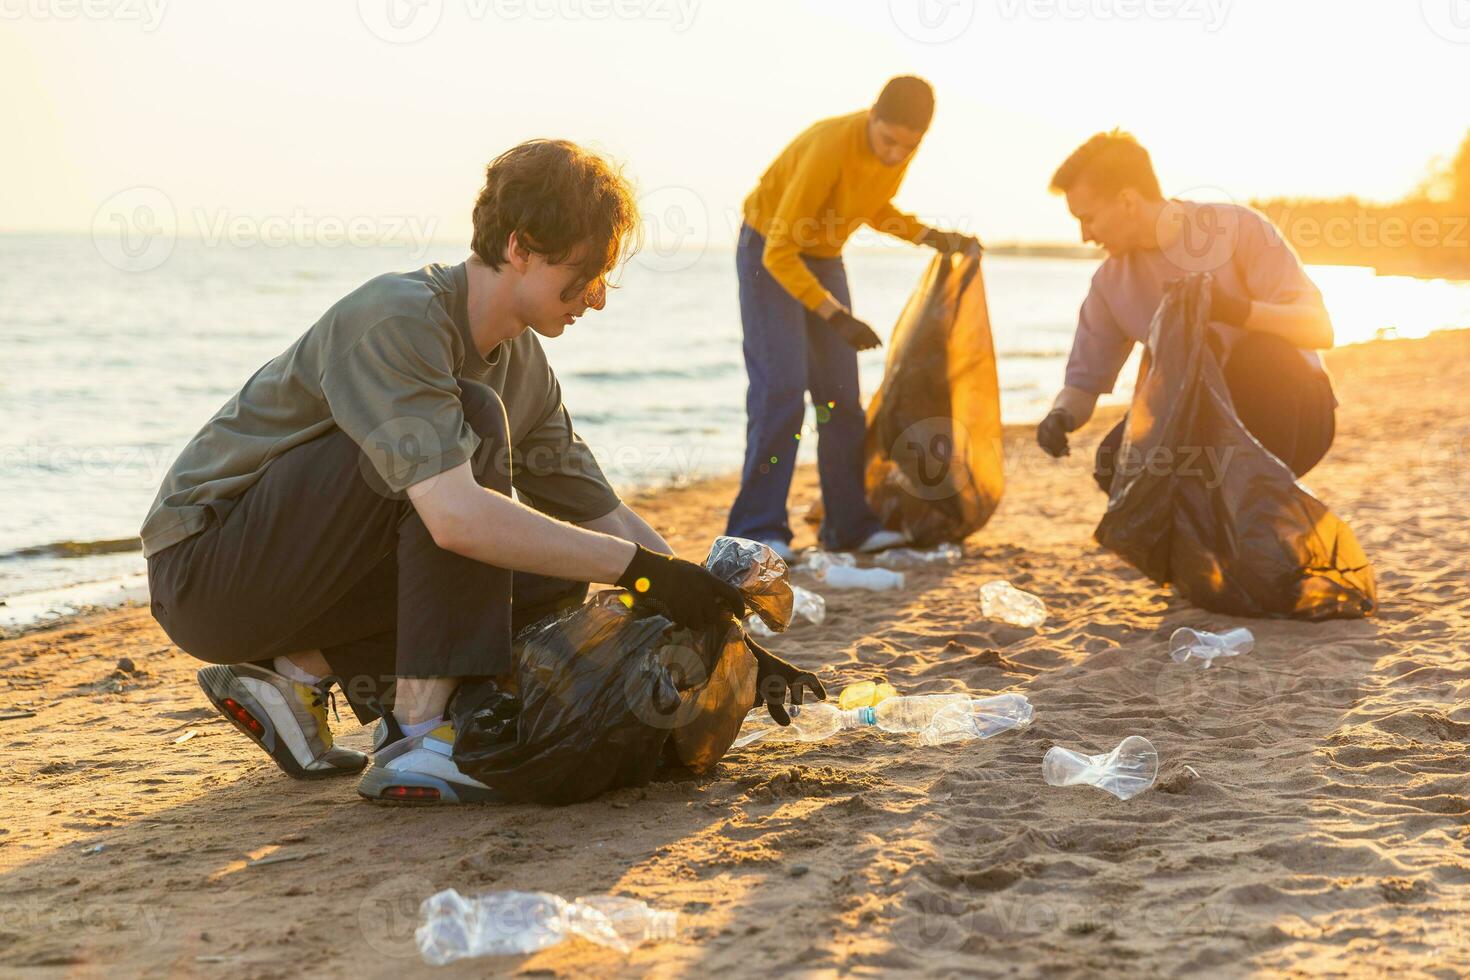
(77, 599)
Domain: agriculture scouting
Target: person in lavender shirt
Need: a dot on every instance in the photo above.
(1268, 319)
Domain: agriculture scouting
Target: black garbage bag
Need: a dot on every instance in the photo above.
(1197, 502)
(935, 465)
(611, 693)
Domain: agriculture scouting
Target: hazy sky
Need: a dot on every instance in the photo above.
(387, 110)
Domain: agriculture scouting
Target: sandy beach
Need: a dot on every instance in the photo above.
(1311, 811)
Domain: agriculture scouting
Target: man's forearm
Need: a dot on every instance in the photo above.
(625, 523)
(1304, 325)
(1077, 403)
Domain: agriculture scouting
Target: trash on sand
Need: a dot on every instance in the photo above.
(866, 694)
(1125, 772)
(456, 926)
(936, 718)
(806, 605)
(185, 737)
(1206, 646)
(947, 553)
(280, 858)
(1002, 601)
(871, 579)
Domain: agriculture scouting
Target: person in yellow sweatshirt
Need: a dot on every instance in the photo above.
(800, 334)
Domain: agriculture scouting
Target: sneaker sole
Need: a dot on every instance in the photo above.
(382, 785)
(240, 708)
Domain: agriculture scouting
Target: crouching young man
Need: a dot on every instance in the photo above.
(1267, 317)
(346, 518)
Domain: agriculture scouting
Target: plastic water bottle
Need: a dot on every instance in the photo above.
(815, 722)
(962, 717)
(1125, 772)
(1000, 600)
(865, 694)
(1206, 646)
(871, 579)
(456, 926)
(981, 718)
(947, 553)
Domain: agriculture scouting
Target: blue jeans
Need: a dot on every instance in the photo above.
(788, 352)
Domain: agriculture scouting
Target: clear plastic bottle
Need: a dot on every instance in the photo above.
(1125, 772)
(964, 717)
(871, 579)
(809, 606)
(456, 926)
(947, 553)
(981, 718)
(1206, 646)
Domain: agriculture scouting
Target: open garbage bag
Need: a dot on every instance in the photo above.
(611, 692)
(1197, 502)
(934, 457)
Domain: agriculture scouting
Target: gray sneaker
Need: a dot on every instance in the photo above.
(287, 719)
(419, 770)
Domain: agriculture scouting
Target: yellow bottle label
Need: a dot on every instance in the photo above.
(865, 694)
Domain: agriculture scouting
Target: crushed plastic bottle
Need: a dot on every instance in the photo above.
(1125, 772)
(981, 718)
(817, 561)
(1002, 601)
(871, 579)
(456, 926)
(865, 694)
(947, 553)
(936, 718)
(1206, 646)
(806, 605)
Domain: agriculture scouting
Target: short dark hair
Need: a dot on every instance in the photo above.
(906, 101)
(556, 197)
(1109, 162)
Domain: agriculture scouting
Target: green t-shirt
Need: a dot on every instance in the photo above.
(383, 366)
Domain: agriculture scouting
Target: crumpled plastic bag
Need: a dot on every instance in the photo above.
(935, 464)
(609, 693)
(1240, 536)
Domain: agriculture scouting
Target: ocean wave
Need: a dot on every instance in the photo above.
(75, 549)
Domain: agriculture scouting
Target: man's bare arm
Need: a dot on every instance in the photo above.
(625, 523)
(1304, 325)
(1077, 403)
(479, 523)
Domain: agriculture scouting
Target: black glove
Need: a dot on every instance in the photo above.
(1051, 434)
(949, 242)
(686, 592)
(778, 683)
(1226, 307)
(859, 335)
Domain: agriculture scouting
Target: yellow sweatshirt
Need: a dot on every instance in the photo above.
(820, 190)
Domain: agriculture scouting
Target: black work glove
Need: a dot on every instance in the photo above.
(778, 683)
(686, 592)
(857, 334)
(1051, 434)
(1226, 307)
(949, 242)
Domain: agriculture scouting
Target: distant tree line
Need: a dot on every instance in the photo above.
(1425, 234)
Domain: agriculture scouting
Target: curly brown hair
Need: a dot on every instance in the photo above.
(559, 199)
